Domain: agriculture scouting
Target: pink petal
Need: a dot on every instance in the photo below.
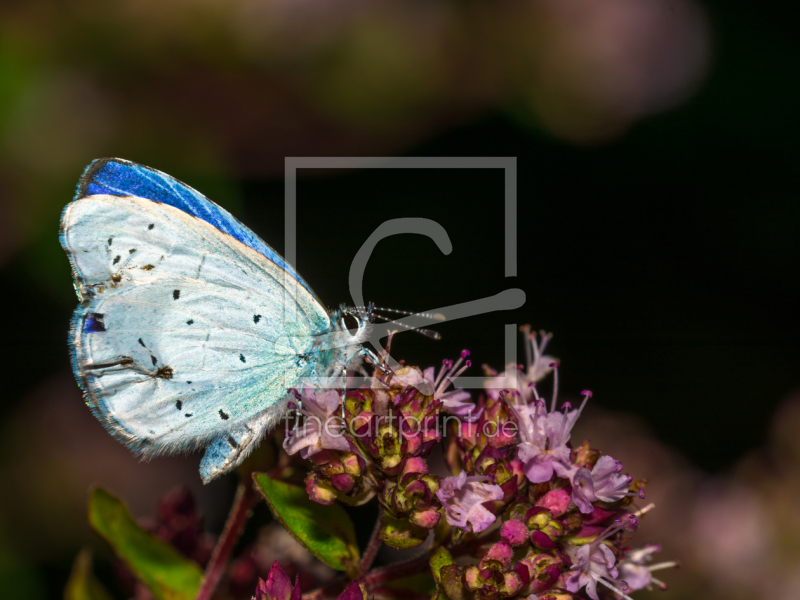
(480, 518)
(583, 490)
(328, 401)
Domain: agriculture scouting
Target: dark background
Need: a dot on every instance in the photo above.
(661, 248)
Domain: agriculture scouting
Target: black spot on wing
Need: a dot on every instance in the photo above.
(187, 415)
(151, 225)
(154, 359)
(109, 241)
(232, 442)
(241, 358)
(179, 405)
(223, 415)
(132, 250)
(142, 343)
(176, 294)
(256, 318)
(116, 259)
(94, 323)
(190, 321)
(188, 383)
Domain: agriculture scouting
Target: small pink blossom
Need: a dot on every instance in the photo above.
(456, 401)
(638, 573)
(538, 366)
(604, 483)
(544, 449)
(462, 498)
(591, 563)
(320, 429)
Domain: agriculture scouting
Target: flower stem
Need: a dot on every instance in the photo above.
(395, 571)
(243, 503)
(371, 551)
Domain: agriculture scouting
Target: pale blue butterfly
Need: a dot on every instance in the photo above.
(190, 329)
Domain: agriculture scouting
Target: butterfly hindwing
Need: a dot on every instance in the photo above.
(118, 177)
(184, 334)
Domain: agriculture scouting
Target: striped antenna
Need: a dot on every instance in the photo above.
(426, 332)
(430, 333)
(435, 317)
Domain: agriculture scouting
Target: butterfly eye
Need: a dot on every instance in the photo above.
(351, 323)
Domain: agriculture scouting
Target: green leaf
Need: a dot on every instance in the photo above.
(440, 558)
(82, 584)
(326, 531)
(166, 573)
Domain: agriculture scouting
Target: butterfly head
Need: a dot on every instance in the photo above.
(353, 321)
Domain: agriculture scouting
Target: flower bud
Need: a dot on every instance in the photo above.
(278, 586)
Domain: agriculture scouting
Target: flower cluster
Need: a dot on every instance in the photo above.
(543, 517)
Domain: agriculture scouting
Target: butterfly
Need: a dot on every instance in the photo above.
(190, 329)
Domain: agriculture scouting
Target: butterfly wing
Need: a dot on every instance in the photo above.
(184, 333)
(119, 177)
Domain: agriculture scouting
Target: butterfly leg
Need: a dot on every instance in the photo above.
(344, 394)
(373, 358)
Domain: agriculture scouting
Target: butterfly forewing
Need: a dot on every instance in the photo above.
(119, 177)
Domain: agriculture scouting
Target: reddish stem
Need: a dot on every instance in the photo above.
(370, 551)
(243, 502)
(395, 571)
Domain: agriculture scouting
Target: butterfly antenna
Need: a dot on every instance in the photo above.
(429, 333)
(435, 317)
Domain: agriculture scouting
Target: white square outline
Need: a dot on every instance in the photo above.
(507, 163)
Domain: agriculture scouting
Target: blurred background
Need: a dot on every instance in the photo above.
(658, 220)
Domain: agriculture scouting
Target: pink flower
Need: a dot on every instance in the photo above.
(538, 365)
(603, 483)
(545, 435)
(591, 563)
(462, 498)
(456, 402)
(320, 429)
(636, 571)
